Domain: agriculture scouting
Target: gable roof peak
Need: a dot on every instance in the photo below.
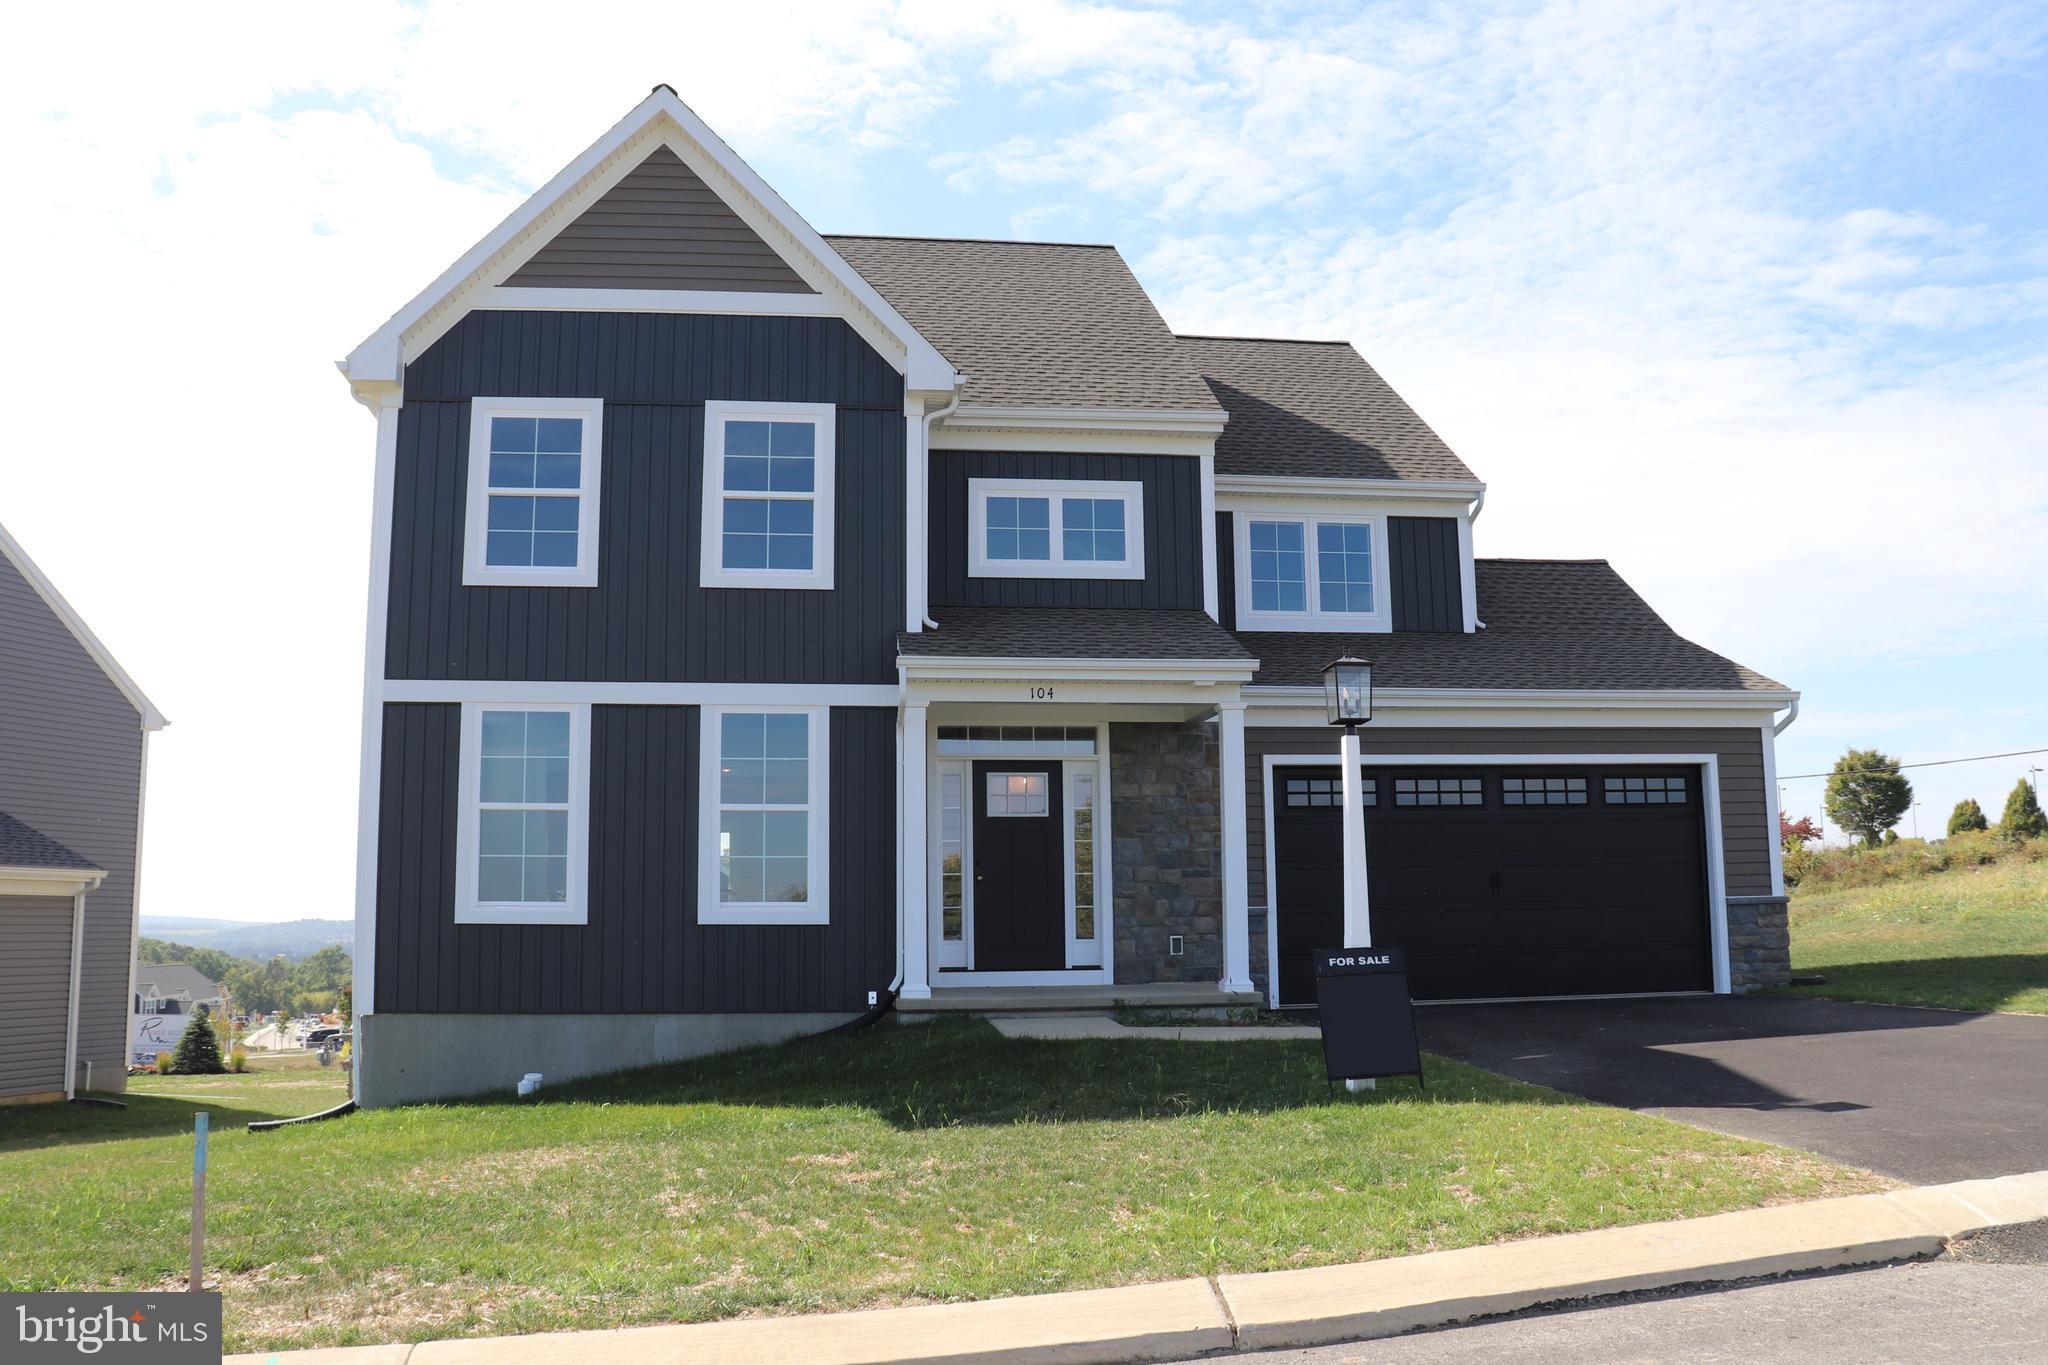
(40, 584)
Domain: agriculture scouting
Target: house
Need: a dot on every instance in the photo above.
(763, 623)
(74, 736)
(175, 988)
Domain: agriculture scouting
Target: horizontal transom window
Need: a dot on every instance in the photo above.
(1054, 741)
(1052, 528)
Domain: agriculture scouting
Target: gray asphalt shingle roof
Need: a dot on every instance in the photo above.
(25, 846)
(1033, 324)
(1550, 623)
(1072, 633)
(1314, 409)
(171, 977)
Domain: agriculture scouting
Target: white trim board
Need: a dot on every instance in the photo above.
(638, 693)
(661, 119)
(39, 583)
(515, 298)
(1710, 803)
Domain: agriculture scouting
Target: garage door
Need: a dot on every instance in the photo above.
(1517, 881)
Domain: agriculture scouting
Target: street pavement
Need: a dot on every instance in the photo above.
(1985, 1301)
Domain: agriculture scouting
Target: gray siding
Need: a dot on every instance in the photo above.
(1173, 535)
(71, 766)
(1423, 576)
(659, 228)
(1746, 824)
(35, 987)
(642, 950)
(647, 620)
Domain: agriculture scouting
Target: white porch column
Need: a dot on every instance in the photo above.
(917, 865)
(1236, 917)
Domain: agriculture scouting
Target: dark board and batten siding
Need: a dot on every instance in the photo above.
(661, 227)
(1424, 576)
(1422, 573)
(647, 620)
(642, 950)
(1746, 825)
(1173, 537)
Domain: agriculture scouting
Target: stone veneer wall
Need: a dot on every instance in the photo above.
(1759, 942)
(1166, 854)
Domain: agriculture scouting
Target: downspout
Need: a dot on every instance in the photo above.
(924, 482)
(77, 974)
(1471, 520)
(1790, 716)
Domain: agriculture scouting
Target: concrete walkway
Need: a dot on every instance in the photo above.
(1092, 1026)
(1183, 1318)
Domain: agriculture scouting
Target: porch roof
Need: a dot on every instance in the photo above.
(1078, 633)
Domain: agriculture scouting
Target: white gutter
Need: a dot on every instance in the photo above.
(1790, 716)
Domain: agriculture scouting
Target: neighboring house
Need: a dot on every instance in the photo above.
(74, 730)
(762, 623)
(175, 988)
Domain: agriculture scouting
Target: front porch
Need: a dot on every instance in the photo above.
(1074, 836)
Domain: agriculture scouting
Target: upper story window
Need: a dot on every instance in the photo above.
(533, 492)
(523, 822)
(1310, 572)
(1055, 528)
(768, 486)
(763, 837)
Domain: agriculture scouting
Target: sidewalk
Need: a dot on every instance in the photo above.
(1288, 1307)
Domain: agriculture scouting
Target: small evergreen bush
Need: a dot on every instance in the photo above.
(1967, 817)
(198, 1051)
(2023, 818)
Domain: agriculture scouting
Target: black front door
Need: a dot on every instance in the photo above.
(1020, 910)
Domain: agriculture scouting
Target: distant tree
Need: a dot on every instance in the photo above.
(1867, 794)
(1891, 836)
(1967, 817)
(2023, 818)
(1793, 834)
(198, 1052)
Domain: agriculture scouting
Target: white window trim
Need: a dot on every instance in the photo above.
(583, 574)
(1315, 619)
(816, 910)
(1129, 492)
(824, 494)
(575, 910)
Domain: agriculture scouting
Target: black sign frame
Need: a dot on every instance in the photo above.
(1367, 1015)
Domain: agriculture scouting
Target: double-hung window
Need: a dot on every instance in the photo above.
(523, 818)
(768, 495)
(533, 492)
(1055, 528)
(1311, 572)
(763, 838)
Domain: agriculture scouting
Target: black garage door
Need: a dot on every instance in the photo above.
(1503, 881)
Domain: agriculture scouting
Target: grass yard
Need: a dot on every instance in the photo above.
(906, 1164)
(1967, 939)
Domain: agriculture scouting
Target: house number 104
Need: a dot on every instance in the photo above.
(1041, 694)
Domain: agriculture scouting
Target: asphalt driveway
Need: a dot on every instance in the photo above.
(1921, 1095)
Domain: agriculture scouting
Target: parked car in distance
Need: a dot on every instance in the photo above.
(315, 1037)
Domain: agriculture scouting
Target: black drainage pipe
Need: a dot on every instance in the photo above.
(342, 1110)
(885, 1002)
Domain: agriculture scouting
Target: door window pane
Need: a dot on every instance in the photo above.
(1017, 794)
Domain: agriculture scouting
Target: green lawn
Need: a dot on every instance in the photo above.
(1967, 939)
(905, 1164)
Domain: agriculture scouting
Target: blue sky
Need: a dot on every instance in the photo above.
(1750, 299)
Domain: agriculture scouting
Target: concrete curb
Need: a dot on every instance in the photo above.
(1287, 1307)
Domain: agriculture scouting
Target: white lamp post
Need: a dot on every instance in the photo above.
(1347, 697)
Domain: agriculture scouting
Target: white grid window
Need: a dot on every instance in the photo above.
(1055, 528)
(1083, 785)
(1306, 571)
(1015, 795)
(522, 833)
(764, 794)
(768, 495)
(534, 466)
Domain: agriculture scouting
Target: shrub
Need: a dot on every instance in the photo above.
(238, 1058)
(2022, 819)
(1967, 817)
(198, 1051)
(163, 1063)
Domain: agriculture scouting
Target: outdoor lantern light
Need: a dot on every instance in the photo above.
(1347, 691)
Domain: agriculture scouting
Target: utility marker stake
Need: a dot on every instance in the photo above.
(198, 1202)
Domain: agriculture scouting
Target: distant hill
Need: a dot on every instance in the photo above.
(295, 938)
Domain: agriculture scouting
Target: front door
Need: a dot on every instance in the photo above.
(1020, 912)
